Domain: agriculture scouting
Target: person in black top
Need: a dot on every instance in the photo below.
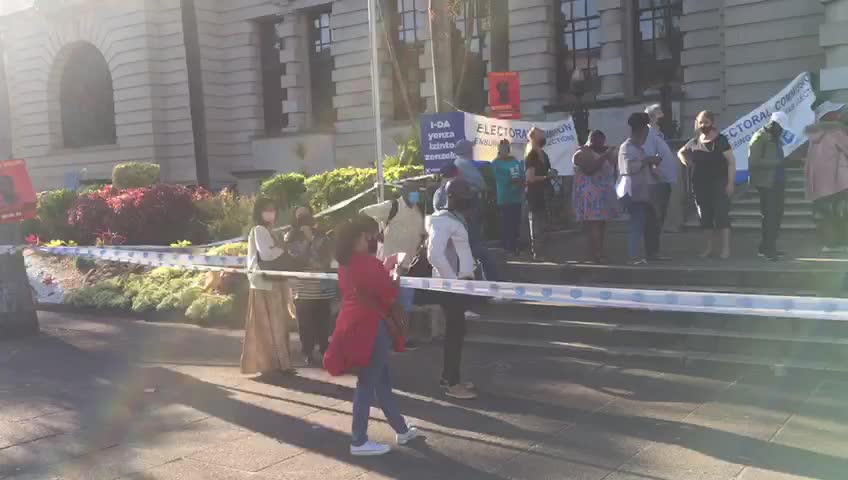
(710, 154)
(538, 171)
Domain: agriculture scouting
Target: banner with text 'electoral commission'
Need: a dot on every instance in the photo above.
(441, 131)
(796, 101)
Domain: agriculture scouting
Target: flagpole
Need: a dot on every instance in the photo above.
(375, 95)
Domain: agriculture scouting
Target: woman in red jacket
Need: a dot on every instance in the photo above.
(361, 341)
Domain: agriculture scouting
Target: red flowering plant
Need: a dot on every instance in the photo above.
(157, 215)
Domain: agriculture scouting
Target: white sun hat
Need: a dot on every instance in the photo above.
(828, 107)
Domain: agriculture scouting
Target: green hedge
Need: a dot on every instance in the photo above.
(285, 190)
(135, 175)
(51, 220)
(334, 186)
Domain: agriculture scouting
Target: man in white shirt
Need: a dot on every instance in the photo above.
(669, 170)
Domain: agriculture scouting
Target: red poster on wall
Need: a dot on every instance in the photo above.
(504, 95)
(17, 197)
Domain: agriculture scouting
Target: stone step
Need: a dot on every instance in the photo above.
(716, 335)
(800, 225)
(771, 278)
(790, 213)
(692, 358)
(754, 202)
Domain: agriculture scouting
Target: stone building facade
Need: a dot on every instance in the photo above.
(216, 90)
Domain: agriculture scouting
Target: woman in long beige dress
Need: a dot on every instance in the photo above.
(269, 310)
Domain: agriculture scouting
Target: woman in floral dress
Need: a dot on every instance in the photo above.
(594, 197)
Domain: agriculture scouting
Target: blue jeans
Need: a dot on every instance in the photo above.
(406, 297)
(638, 216)
(510, 226)
(374, 381)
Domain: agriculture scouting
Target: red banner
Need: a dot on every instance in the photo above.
(505, 95)
(17, 197)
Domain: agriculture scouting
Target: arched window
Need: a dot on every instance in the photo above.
(86, 99)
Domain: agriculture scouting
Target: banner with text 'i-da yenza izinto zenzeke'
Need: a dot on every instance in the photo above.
(441, 131)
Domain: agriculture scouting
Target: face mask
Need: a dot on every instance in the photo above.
(706, 129)
(269, 217)
(413, 197)
(599, 148)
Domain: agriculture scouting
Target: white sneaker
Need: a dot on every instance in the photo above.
(370, 449)
(410, 435)
(469, 315)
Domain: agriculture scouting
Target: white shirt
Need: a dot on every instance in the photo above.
(448, 246)
(656, 145)
(261, 245)
(404, 234)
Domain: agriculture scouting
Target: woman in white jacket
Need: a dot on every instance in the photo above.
(449, 252)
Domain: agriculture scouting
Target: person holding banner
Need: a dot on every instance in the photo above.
(594, 191)
(538, 168)
(827, 177)
(767, 174)
(711, 155)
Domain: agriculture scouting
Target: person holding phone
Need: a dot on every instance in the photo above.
(636, 186)
(594, 191)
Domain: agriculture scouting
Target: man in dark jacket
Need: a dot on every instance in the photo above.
(766, 169)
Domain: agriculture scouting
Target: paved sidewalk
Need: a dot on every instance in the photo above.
(98, 399)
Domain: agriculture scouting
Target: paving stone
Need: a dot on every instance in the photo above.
(660, 460)
(49, 451)
(107, 464)
(190, 470)
(310, 465)
(250, 454)
(16, 433)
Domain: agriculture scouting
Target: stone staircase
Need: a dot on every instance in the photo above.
(779, 344)
(745, 211)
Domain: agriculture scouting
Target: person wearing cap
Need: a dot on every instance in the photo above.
(767, 174)
(449, 252)
(509, 179)
(827, 176)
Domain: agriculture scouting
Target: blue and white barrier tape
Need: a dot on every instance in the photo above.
(564, 295)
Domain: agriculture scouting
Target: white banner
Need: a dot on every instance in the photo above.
(485, 133)
(796, 101)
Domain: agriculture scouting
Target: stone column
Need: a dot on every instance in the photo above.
(295, 81)
(532, 52)
(614, 50)
(833, 38)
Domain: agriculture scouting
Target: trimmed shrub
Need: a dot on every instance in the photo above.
(159, 215)
(229, 250)
(225, 215)
(210, 306)
(285, 190)
(334, 186)
(135, 175)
